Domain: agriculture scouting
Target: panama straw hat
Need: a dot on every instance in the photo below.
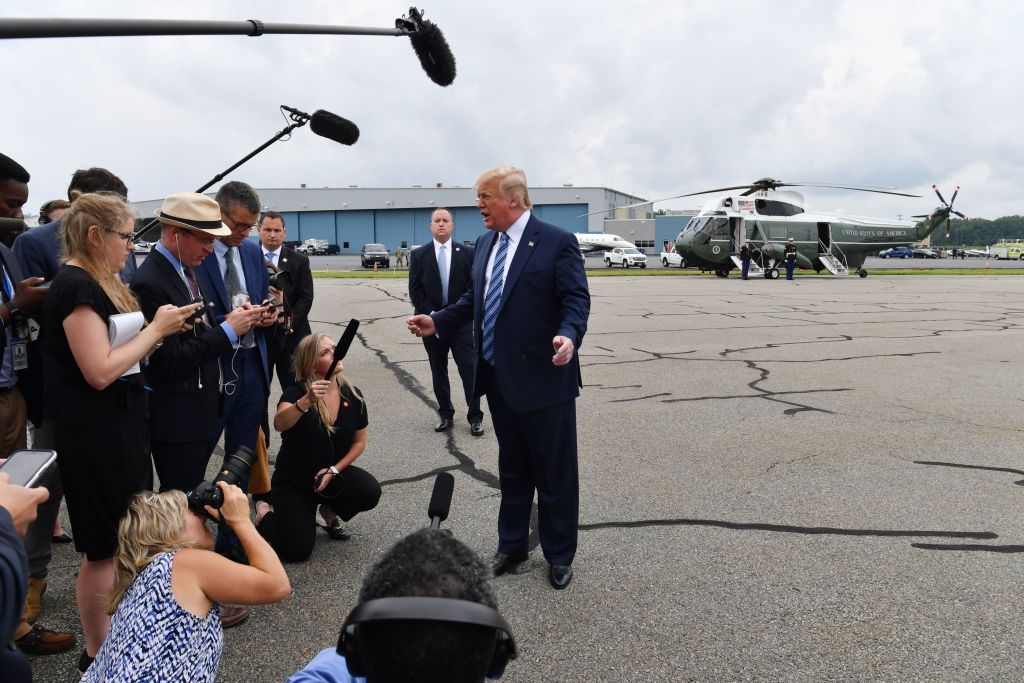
(193, 211)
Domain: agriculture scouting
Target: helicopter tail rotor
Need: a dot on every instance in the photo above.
(949, 207)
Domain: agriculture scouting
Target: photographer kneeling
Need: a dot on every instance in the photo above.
(323, 425)
(169, 583)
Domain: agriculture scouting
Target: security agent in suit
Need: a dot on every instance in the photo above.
(427, 289)
(237, 272)
(529, 305)
(293, 324)
(185, 372)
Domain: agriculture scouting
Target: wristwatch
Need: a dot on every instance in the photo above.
(13, 312)
(333, 470)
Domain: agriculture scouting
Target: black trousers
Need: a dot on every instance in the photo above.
(180, 465)
(536, 452)
(290, 529)
(463, 351)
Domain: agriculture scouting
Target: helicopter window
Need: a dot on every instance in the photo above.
(701, 224)
(771, 207)
(720, 226)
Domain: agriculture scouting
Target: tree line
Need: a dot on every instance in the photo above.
(980, 232)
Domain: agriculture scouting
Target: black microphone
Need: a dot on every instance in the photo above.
(441, 499)
(435, 56)
(344, 343)
(333, 127)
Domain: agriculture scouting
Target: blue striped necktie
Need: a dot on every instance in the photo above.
(493, 300)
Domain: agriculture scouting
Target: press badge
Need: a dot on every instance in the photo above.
(19, 352)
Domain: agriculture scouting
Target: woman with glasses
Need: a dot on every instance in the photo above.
(102, 435)
(323, 425)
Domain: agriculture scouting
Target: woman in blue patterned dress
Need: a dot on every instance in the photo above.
(166, 617)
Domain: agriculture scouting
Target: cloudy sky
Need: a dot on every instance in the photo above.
(654, 98)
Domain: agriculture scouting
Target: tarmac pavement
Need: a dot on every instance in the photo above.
(808, 480)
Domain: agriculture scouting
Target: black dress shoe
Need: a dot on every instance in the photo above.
(502, 563)
(476, 428)
(560, 575)
(443, 424)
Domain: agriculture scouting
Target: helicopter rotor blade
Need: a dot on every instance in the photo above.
(858, 188)
(939, 195)
(953, 199)
(665, 199)
(960, 214)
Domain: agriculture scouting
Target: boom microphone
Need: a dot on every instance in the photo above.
(441, 499)
(428, 42)
(333, 127)
(344, 343)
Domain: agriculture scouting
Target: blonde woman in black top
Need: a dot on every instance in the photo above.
(323, 425)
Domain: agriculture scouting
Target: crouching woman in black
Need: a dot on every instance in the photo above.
(323, 430)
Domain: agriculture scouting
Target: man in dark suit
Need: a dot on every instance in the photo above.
(529, 298)
(184, 372)
(235, 276)
(21, 297)
(297, 287)
(39, 249)
(431, 290)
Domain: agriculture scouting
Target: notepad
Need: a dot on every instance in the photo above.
(123, 328)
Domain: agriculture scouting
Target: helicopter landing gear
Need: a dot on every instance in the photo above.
(862, 272)
(771, 274)
(721, 272)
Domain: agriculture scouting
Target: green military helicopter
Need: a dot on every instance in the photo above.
(768, 218)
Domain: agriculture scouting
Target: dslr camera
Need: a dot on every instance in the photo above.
(235, 468)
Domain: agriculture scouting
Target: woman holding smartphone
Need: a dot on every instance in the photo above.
(323, 425)
(102, 434)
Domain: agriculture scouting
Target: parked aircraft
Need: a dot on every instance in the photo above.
(768, 218)
(598, 241)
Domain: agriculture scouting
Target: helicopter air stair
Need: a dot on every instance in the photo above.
(831, 262)
(754, 268)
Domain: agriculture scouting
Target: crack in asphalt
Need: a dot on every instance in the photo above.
(790, 529)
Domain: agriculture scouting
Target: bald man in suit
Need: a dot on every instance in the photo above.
(431, 290)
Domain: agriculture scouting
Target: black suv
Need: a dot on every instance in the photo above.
(374, 253)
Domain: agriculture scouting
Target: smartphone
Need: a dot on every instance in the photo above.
(29, 467)
(200, 313)
(344, 343)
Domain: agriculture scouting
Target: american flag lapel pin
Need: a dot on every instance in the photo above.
(530, 244)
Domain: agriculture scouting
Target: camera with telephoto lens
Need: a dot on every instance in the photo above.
(235, 468)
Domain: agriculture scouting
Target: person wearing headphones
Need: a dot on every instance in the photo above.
(427, 612)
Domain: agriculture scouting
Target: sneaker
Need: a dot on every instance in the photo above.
(33, 599)
(43, 641)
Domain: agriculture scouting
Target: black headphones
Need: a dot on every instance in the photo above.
(425, 609)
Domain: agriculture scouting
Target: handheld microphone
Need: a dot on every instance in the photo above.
(428, 42)
(344, 343)
(441, 499)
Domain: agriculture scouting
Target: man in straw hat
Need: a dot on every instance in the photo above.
(185, 371)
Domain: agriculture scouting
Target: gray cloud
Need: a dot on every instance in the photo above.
(648, 97)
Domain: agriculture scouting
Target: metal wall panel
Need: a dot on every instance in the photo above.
(569, 217)
(316, 225)
(354, 227)
(469, 224)
(393, 226)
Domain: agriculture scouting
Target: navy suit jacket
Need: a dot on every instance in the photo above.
(254, 266)
(38, 252)
(425, 276)
(545, 294)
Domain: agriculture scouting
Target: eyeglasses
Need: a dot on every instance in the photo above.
(126, 236)
(239, 225)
